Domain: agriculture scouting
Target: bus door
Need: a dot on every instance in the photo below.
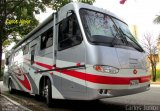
(32, 61)
(33, 48)
(71, 52)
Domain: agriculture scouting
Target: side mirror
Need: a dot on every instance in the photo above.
(70, 12)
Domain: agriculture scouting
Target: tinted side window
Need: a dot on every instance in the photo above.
(69, 33)
(7, 60)
(26, 49)
(33, 49)
(47, 39)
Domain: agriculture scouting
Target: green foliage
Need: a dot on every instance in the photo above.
(157, 20)
(158, 75)
(59, 3)
(22, 12)
(18, 11)
(7, 42)
(87, 1)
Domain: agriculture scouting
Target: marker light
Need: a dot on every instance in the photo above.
(105, 68)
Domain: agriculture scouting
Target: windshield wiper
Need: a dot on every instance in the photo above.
(122, 35)
(118, 35)
(137, 47)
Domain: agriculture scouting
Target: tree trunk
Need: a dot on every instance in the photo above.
(154, 77)
(152, 72)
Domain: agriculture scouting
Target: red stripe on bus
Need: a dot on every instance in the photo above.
(97, 78)
(25, 82)
(44, 65)
(104, 79)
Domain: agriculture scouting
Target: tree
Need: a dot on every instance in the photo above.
(157, 20)
(59, 3)
(13, 14)
(17, 10)
(151, 49)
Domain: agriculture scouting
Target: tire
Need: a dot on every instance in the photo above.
(47, 92)
(11, 90)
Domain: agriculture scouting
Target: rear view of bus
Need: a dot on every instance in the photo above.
(115, 62)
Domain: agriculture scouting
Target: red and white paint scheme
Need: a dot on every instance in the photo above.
(80, 52)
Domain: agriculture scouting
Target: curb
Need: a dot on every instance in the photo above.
(157, 83)
(17, 104)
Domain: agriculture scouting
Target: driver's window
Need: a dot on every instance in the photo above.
(69, 33)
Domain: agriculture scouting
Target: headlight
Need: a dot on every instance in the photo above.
(107, 69)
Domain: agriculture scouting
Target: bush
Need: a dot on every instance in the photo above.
(157, 75)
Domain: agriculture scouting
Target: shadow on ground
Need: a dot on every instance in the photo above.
(35, 103)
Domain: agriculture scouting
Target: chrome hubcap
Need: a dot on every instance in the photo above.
(45, 91)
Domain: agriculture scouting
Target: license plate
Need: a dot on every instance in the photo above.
(134, 83)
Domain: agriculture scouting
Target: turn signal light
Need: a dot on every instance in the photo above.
(106, 69)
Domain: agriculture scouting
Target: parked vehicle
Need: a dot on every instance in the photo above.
(81, 52)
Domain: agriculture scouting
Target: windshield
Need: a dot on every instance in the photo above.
(124, 30)
(103, 29)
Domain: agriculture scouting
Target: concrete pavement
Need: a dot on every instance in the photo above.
(2, 87)
(7, 104)
(151, 97)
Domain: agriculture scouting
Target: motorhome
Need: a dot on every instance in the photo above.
(80, 52)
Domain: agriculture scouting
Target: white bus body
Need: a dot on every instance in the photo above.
(80, 52)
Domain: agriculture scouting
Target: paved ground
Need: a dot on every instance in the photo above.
(151, 97)
(6, 105)
(2, 87)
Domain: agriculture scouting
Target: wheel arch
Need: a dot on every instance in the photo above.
(9, 80)
(43, 81)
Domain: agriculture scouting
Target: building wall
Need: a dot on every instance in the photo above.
(134, 30)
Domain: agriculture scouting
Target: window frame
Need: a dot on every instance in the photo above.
(25, 51)
(69, 46)
(46, 35)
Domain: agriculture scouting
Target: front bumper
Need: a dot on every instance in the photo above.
(121, 92)
(108, 93)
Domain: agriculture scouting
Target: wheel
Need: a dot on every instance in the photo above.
(11, 90)
(47, 92)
